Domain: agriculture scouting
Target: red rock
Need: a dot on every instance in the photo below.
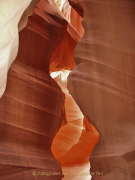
(29, 123)
(102, 84)
(32, 109)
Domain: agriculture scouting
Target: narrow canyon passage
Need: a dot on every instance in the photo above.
(52, 125)
(32, 108)
(76, 139)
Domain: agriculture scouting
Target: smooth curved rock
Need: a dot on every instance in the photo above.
(76, 139)
(32, 107)
(102, 84)
(10, 15)
(28, 12)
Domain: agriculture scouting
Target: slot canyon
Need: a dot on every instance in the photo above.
(67, 108)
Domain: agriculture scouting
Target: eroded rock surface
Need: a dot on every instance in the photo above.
(102, 84)
(32, 107)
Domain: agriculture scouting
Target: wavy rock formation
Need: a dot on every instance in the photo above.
(76, 139)
(63, 56)
(32, 107)
(13, 16)
(30, 116)
(102, 84)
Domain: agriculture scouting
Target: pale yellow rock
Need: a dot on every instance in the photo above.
(10, 14)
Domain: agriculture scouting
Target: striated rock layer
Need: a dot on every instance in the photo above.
(30, 116)
(32, 107)
(102, 84)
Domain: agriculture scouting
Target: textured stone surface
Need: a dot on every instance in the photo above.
(102, 84)
(32, 107)
(30, 116)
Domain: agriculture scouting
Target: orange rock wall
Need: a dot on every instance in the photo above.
(75, 140)
(32, 107)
